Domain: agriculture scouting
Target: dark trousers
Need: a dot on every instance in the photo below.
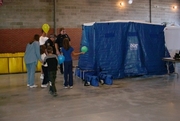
(68, 74)
(46, 78)
(61, 68)
(52, 78)
(61, 65)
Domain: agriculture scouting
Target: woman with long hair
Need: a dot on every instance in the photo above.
(67, 51)
(31, 57)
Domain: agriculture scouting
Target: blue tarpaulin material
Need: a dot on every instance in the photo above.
(123, 48)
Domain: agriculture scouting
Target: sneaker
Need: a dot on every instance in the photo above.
(28, 85)
(86, 83)
(42, 76)
(102, 82)
(43, 85)
(50, 92)
(65, 87)
(54, 94)
(33, 86)
(71, 87)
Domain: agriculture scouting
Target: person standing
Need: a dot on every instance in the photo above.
(67, 50)
(52, 62)
(51, 42)
(43, 38)
(31, 57)
(42, 41)
(59, 44)
(44, 67)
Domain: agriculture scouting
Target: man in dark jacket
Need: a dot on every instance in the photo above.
(51, 42)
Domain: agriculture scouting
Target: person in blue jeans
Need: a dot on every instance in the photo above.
(31, 57)
(67, 51)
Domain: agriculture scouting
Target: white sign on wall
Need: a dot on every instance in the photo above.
(172, 37)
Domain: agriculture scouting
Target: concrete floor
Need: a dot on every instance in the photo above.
(155, 98)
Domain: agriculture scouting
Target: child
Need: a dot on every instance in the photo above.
(67, 50)
(44, 67)
(59, 44)
(52, 62)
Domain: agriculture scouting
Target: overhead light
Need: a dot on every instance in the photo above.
(121, 4)
(174, 7)
(130, 1)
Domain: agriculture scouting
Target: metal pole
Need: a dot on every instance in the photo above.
(150, 11)
(54, 16)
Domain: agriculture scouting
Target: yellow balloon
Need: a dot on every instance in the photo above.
(45, 28)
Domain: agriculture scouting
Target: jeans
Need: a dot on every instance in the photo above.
(31, 68)
(68, 75)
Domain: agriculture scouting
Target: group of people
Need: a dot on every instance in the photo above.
(44, 49)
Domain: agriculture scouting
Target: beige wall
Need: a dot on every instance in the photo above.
(73, 13)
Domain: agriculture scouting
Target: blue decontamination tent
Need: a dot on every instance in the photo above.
(124, 48)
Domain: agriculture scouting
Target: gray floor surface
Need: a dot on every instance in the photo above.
(147, 98)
